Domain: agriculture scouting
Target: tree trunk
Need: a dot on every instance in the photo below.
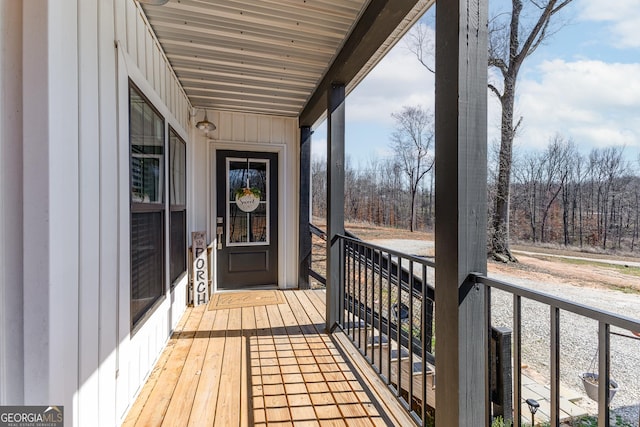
(635, 224)
(412, 218)
(500, 221)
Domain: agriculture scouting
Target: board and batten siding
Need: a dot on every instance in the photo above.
(255, 132)
(67, 221)
(144, 50)
(11, 200)
(142, 61)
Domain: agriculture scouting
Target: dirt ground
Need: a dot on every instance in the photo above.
(556, 271)
(538, 267)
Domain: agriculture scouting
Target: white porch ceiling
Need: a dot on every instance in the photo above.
(271, 56)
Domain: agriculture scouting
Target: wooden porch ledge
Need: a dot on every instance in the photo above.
(269, 365)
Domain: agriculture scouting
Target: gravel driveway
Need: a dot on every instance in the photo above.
(578, 338)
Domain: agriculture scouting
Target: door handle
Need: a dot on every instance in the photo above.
(219, 231)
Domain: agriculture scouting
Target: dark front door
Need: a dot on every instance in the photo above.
(247, 219)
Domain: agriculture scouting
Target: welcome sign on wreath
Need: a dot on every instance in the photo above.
(248, 199)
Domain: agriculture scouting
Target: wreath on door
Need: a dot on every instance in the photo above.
(248, 198)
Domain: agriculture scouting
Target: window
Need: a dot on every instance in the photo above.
(147, 201)
(247, 226)
(177, 206)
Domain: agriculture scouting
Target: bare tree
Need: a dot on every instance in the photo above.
(527, 172)
(412, 144)
(510, 43)
(554, 173)
(319, 187)
(421, 42)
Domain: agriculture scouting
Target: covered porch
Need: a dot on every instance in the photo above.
(266, 73)
(243, 363)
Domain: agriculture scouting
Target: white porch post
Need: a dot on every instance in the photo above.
(461, 212)
(335, 196)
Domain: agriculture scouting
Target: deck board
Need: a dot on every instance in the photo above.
(270, 365)
(136, 409)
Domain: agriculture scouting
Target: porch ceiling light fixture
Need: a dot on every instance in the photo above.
(154, 2)
(205, 125)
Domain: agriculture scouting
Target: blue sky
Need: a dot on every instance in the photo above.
(584, 84)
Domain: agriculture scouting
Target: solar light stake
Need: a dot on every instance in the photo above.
(533, 407)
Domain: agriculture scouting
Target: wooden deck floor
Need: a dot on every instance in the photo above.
(257, 366)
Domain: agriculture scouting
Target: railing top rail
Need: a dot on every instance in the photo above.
(393, 252)
(318, 231)
(561, 303)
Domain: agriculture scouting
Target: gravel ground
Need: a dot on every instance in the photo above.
(578, 335)
(578, 339)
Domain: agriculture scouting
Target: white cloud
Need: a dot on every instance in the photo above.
(595, 103)
(622, 17)
(319, 146)
(397, 80)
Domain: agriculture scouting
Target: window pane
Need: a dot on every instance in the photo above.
(147, 163)
(147, 151)
(178, 200)
(247, 216)
(178, 260)
(258, 224)
(247, 174)
(237, 224)
(178, 166)
(146, 262)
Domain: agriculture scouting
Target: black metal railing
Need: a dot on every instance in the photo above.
(388, 307)
(387, 310)
(605, 321)
(318, 259)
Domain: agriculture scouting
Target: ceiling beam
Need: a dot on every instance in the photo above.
(377, 22)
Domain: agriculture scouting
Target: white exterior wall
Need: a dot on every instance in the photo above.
(11, 330)
(65, 336)
(253, 132)
(141, 61)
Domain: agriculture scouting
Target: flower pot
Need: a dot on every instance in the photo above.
(590, 384)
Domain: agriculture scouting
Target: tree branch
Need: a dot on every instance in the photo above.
(537, 34)
(499, 64)
(495, 91)
(515, 128)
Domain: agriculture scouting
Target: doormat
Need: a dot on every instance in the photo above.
(245, 299)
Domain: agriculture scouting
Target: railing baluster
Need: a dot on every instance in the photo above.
(399, 325)
(353, 291)
(604, 376)
(555, 366)
(423, 329)
(341, 285)
(373, 307)
(517, 360)
(410, 333)
(366, 301)
(380, 309)
(359, 308)
(389, 317)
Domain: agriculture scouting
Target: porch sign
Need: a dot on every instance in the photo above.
(200, 270)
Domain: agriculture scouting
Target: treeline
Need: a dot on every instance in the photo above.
(558, 195)
(562, 196)
(377, 193)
